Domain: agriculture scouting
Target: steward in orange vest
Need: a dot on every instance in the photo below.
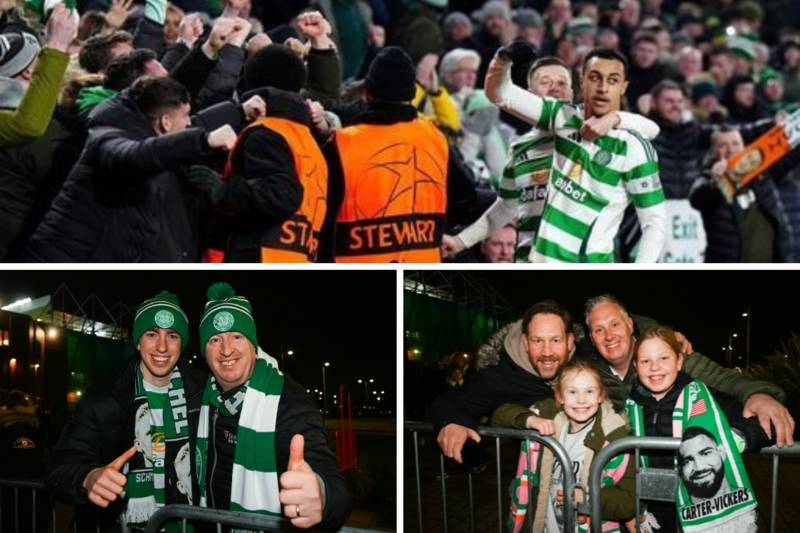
(394, 180)
(275, 199)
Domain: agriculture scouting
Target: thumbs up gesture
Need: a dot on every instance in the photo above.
(105, 483)
(300, 494)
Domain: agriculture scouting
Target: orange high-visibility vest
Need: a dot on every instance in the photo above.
(296, 240)
(395, 193)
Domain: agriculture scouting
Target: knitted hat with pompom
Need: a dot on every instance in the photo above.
(226, 312)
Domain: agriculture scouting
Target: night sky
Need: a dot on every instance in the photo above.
(347, 318)
(705, 305)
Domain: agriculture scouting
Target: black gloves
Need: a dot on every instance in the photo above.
(207, 180)
(518, 52)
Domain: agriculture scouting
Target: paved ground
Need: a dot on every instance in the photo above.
(484, 485)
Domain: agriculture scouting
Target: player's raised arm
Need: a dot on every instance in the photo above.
(509, 97)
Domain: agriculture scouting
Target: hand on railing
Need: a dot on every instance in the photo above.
(451, 440)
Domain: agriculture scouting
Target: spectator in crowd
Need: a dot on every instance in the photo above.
(742, 103)
(499, 246)
(706, 106)
(530, 26)
(457, 31)
(720, 61)
(789, 62)
(557, 16)
(646, 70)
(690, 65)
(142, 138)
(419, 33)
(496, 30)
(750, 228)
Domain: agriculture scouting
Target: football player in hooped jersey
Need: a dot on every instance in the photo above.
(594, 178)
(523, 187)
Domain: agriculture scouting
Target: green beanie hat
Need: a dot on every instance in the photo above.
(162, 311)
(226, 312)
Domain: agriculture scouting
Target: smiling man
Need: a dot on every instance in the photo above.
(258, 428)
(594, 179)
(534, 350)
(140, 418)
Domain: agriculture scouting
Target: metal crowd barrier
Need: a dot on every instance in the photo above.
(672, 444)
(21, 484)
(489, 431)
(251, 521)
(652, 482)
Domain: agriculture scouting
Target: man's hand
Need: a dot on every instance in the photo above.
(426, 73)
(377, 35)
(118, 12)
(300, 494)
(318, 30)
(452, 246)
(318, 118)
(254, 108)
(595, 127)
(220, 34)
(105, 483)
(257, 42)
(686, 346)
(62, 28)
(768, 409)
(452, 437)
(300, 49)
(223, 137)
(241, 29)
(517, 52)
(190, 29)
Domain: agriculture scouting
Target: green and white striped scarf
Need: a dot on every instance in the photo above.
(162, 441)
(733, 510)
(254, 488)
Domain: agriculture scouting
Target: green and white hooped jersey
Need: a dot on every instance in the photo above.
(591, 185)
(525, 181)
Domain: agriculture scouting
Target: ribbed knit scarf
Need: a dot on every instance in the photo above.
(732, 508)
(254, 487)
(162, 441)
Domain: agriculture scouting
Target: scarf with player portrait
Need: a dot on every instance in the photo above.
(731, 509)
(162, 443)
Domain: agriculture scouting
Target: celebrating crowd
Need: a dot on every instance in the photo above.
(398, 131)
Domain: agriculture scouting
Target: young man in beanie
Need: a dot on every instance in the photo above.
(127, 448)
(259, 428)
(272, 202)
(394, 178)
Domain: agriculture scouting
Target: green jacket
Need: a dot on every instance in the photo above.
(30, 119)
(618, 501)
(698, 366)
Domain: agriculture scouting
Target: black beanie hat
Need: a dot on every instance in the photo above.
(276, 66)
(391, 76)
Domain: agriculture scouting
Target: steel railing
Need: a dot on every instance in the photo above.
(601, 459)
(24, 484)
(498, 433)
(252, 521)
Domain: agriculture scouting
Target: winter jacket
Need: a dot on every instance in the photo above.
(124, 200)
(617, 498)
(103, 428)
(462, 204)
(439, 107)
(296, 414)
(512, 380)
(28, 118)
(724, 222)
(324, 81)
(31, 174)
(680, 151)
